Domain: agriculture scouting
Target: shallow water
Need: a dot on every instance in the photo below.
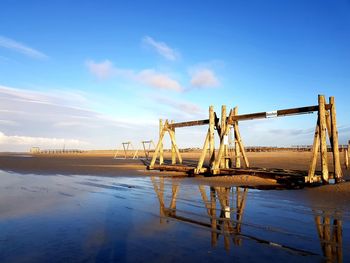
(131, 219)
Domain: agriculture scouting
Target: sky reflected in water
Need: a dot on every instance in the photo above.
(131, 219)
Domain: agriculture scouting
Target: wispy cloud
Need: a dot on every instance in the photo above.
(204, 78)
(46, 118)
(148, 77)
(21, 48)
(102, 70)
(158, 80)
(161, 48)
(39, 141)
(178, 109)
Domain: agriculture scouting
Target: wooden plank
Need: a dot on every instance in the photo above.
(175, 168)
(323, 142)
(336, 158)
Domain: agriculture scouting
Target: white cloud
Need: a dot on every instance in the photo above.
(203, 78)
(47, 118)
(161, 48)
(102, 70)
(149, 77)
(158, 80)
(39, 141)
(21, 48)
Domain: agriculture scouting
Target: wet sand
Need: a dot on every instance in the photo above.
(93, 208)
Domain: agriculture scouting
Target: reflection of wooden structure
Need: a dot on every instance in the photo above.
(330, 234)
(221, 162)
(225, 209)
(221, 220)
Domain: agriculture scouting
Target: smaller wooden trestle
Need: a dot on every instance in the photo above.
(224, 161)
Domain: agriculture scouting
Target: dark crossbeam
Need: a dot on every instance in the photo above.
(252, 116)
(188, 123)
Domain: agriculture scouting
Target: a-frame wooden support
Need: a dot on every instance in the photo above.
(171, 131)
(239, 147)
(326, 124)
(209, 141)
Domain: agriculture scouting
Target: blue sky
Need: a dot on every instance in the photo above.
(91, 74)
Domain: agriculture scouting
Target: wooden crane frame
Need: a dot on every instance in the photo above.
(220, 164)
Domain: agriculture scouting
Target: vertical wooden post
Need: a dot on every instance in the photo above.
(222, 135)
(211, 136)
(336, 159)
(346, 158)
(315, 149)
(237, 151)
(323, 141)
(161, 157)
(173, 153)
(218, 162)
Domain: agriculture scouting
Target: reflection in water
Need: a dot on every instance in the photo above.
(225, 209)
(330, 234)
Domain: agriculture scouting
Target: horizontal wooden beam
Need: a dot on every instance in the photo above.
(277, 113)
(188, 123)
(252, 116)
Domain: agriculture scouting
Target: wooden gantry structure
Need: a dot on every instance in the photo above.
(128, 146)
(220, 163)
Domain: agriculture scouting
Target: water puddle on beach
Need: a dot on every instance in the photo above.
(155, 219)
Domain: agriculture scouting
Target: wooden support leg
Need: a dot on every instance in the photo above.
(161, 157)
(323, 142)
(202, 157)
(241, 147)
(222, 135)
(156, 151)
(237, 155)
(315, 148)
(211, 136)
(173, 141)
(336, 158)
(239, 140)
(346, 158)
(173, 152)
